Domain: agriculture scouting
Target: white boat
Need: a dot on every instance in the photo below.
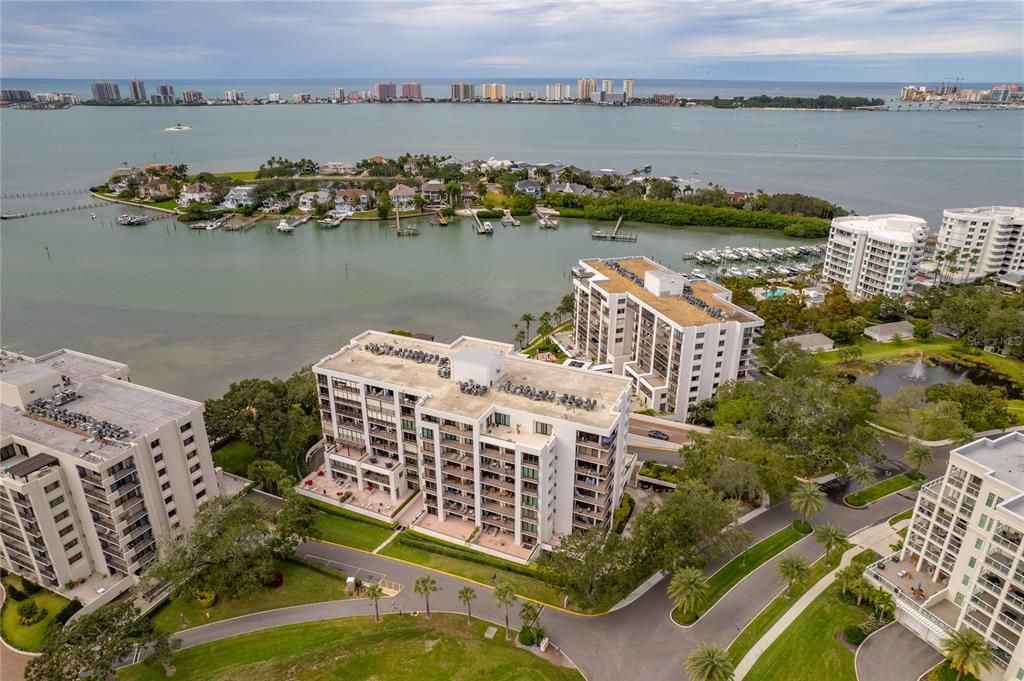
(92, 216)
(283, 226)
(210, 226)
(177, 127)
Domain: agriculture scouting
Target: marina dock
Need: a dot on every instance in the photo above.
(614, 235)
(51, 211)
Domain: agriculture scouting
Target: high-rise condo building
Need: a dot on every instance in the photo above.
(463, 92)
(338, 94)
(106, 91)
(584, 88)
(16, 95)
(384, 92)
(627, 89)
(493, 91)
(607, 85)
(235, 96)
(874, 255)
(676, 338)
(95, 469)
(166, 90)
(509, 453)
(961, 565)
(275, 97)
(412, 91)
(985, 240)
(138, 89)
(192, 97)
(556, 92)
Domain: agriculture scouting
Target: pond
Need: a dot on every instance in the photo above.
(891, 377)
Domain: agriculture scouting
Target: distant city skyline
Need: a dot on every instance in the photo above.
(792, 40)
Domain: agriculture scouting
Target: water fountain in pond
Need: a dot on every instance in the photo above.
(917, 373)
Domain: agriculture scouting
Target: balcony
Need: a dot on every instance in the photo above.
(1011, 622)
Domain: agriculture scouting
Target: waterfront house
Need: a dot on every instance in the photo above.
(883, 333)
(337, 168)
(432, 190)
(570, 188)
(536, 170)
(243, 195)
(468, 194)
(121, 177)
(198, 192)
(361, 199)
(321, 198)
(530, 188)
(156, 189)
(402, 196)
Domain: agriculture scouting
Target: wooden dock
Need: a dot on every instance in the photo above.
(245, 226)
(51, 211)
(32, 195)
(613, 235)
(442, 220)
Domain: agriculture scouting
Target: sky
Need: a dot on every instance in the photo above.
(812, 40)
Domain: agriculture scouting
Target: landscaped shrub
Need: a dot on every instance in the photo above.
(854, 635)
(67, 611)
(802, 526)
(205, 599)
(30, 587)
(426, 544)
(14, 593)
(489, 214)
(350, 515)
(275, 581)
(623, 513)
(29, 613)
(526, 636)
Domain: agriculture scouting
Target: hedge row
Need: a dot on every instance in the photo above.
(623, 513)
(427, 544)
(677, 214)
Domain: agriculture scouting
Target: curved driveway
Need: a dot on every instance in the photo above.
(638, 642)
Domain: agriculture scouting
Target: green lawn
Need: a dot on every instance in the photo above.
(905, 515)
(742, 565)
(28, 638)
(239, 174)
(946, 673)
(764, 621)
(879, 490)
(345, 529)
(302, 584)
(171, 204)
(235, 457)
(531, 587)
(402, 648)
(808, 650)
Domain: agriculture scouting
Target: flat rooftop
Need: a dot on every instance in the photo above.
(136, 408)
(443, 394)
(1004, 457)
(892, 226)
(675, 308)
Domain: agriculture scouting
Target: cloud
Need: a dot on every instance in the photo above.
(641, 38)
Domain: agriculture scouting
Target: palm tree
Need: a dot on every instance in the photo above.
(521, 339)
(807, 499)
(861, 588)
(467, 595)
(527, 319)
(919, 456)
(883, 603)
(966, 652)
(374, 592)
(529, 613)
(688, 590)
(709, 662)
(424, 586)
(846, 577)
(829, 536)
(505, 596)
(792, 569)
(862, 474)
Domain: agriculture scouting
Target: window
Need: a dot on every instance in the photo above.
(201, 494)
(189, 440)
(427, 433)
(158, 458)
(972, 562)
(191, 455)
(959, 600)
(193, 468)
(154, 444)
(187, 427)
(75, 558)
(982, 521)
(71, 544)
(166, 486)
(978, 543)
(197, 481)
(529, 500)
(169, 500)
(52, 486)
(966, 580)
(173, 512)
(67, 528)
(162, 472)
(57, 501)
(60, 516)
(542, 428)
(991, 498)
(502, 419)
(530, 473)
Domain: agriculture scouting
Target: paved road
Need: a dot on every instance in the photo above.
(894, 653)
(638, 642)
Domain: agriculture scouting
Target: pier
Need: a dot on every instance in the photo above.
(33, 195)
(50, 211)
(245, 226)
(614, 235)
(545, 222)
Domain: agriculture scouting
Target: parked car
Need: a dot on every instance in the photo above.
(657, 434)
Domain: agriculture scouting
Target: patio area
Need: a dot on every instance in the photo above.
(913, 584)
(369, 497)
(503, 542)
(454, 528)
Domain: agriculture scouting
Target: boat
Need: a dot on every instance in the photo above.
(131, 220)
(441, 219)
(177, 127)
(284, 227)
(92, 216)
(486, 228)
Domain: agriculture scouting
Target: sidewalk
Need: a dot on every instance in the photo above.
(877, 538)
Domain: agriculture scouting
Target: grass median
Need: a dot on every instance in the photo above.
(28, 637)
(863, 497)
(739, 567)
(905, 515)
(303, 583)
(810, 649)
(340, 526)
(400, 648)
